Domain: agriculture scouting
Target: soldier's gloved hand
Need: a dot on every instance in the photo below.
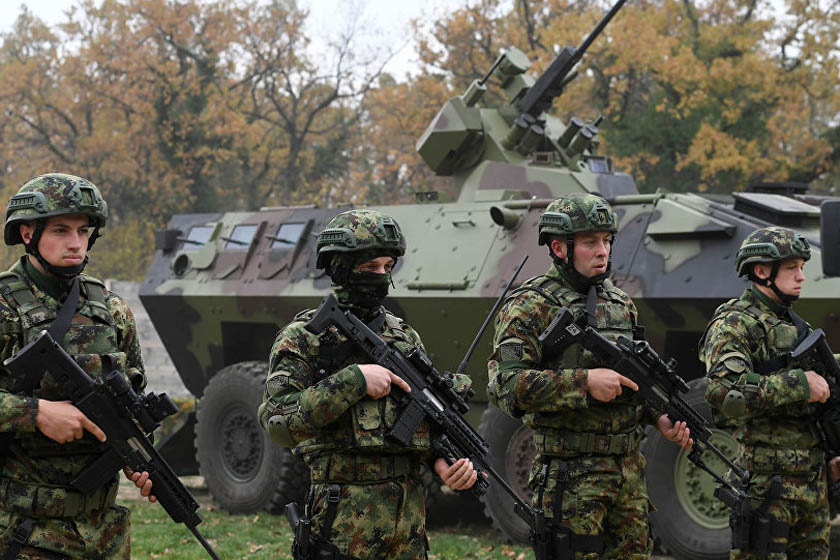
(460, 475)
(605, 384)
(141, 481)
(818, 387)
(677, 432)
(61, 421)
(379, 380)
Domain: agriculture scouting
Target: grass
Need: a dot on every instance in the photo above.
(154, 535)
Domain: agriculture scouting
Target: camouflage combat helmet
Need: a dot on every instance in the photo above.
(576, 213)
(359, 230)
(770, 244)
(54, 194)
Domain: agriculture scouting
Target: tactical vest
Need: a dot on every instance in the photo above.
(784, 440)
(556, 432)
(91, 340)
(363, 427)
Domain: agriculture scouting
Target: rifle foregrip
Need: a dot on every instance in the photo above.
(174, 497)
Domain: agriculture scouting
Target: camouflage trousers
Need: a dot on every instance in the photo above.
(377, 521)
(803, 505)
(101, 534)
(603, 495)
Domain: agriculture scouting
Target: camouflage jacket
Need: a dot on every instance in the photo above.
(103, 326)
(315, 382)
(743, 334)
(554, 395)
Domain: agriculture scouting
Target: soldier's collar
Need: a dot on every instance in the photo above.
(559, 275)
(50, 285)
(775, 307)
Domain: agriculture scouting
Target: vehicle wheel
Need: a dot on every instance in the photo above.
(512, 453)
(689, 522)
(243, 469)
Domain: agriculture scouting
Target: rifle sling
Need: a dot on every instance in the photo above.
(333, 495)
(577, 543)
(57, 330)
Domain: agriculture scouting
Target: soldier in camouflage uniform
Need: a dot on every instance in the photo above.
(45, 441)
(322, 399)
(589, 473)
(755, 390)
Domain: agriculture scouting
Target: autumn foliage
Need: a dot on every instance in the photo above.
(175, 106)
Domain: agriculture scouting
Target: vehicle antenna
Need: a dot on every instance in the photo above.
(490, 315)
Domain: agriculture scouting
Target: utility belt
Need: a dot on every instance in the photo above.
(754, 531)
(561, 543)
(779, 460)
(359, 469)
(34, 500)
(551, 442)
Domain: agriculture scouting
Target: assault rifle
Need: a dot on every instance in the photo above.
(659, 386)
(814, 353)
(125, 417)
(432, 398)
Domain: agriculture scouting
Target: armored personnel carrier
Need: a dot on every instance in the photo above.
(221, 285)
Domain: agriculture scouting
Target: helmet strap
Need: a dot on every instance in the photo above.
(582, 283)
(770, 282)
(65, 272)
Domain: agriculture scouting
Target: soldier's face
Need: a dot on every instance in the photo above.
(379, 265)
(592, 252)
(64, 241)
(790, 277)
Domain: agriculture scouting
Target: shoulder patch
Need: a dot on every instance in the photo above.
(510, 350)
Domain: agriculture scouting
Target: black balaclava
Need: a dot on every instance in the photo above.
(65, 272)
(361, 292)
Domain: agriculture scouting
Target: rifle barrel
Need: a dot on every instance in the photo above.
(599, 28)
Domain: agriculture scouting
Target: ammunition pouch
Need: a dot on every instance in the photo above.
(35, 500)
(755, 532)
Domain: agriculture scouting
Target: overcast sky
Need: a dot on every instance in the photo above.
(389, 17)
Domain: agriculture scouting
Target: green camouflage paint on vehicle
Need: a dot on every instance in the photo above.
(221, 286)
